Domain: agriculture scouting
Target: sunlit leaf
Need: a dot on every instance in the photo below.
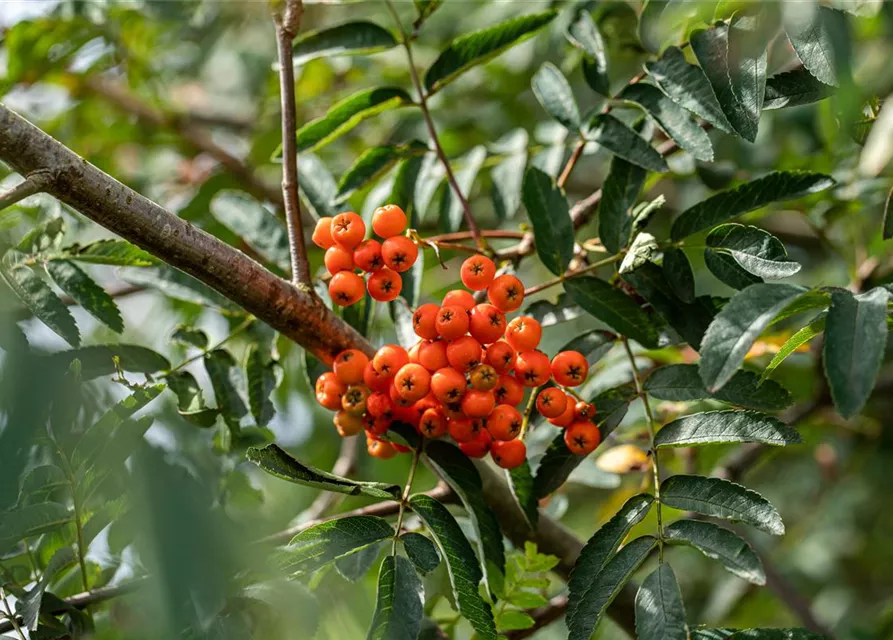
(399, 609)
(719, 544)
(325, 542)
(84, 290)
(554, 92)
(717, 427)
(820, 36)
(673, 119)
(682, 383)
(660, 614)
(113, 252)
(619, 194)
(794, 88)
(349, 38)
(625, 143)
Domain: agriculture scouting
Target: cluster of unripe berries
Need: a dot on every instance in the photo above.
(347, 249)
(464, 378)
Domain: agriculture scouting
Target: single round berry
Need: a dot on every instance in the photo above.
(478, 404)
(380, 449)
(413, 352)
(570, 368)
(349, 366)
(348, 424)
(433, 354)
(464, 353)
(421, 406)
(448, 385)
(501, 356)
(567, 417)
(532, 368)
(348, 229)
(329, 401)
(379, 404)
(478, 447)
(374, 380)
(385, 285)
(367, 256)
(346, 288)
(423, 321)
(338, 259)
(582, 437)
(508, 391)
(487, 323)
(460, 298)
(477, 272)
(399, 253)
(483, 377)
(377, 426)
(322, 233)
(584, 411)
(551, 402)
(329, 383)
(451, 322)
(413, 382)
(506, 293)
(433, 423)
(508, 455)
(504, 422)
(388, 221)
(463, 429)
(399, 402)
(523, 333)
(453, 410)
(389, 359)
(354, 399)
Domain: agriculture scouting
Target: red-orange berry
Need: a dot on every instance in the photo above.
(453, 410)
(478, 447)
(338, 259)
(487, 323)
(551, 402)
(374, 380)
(508, 455)
(322, 234)
(388, 221)
(448, 385)
(464, 353)
(582, 437)
(330, 384)
(354, 399)
(478, 404)
(367, 256)
(385, 285)
(329, 401)
(463, 429)
(523, 333)
(399, 401)
(349, 366)
(501, 356)
(423, 321)
(584, 411)
(377, 426)
(504, 422)
(348, 229)
(348, 424)
(508, 391)
(433, 354)
(567, 417)
(389, 359)
(346, 288)
(413, 352)
(459, 298)
(380, 449)
(413, 382)
(399, 253)
(506, 293)
(570, 368)
(451, 322)
(379, 404)
(421, 406)
(477, 272)
(483, 377)
(433, 423)
(532, 368)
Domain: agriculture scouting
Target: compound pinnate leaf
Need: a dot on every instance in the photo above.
(614, 308)
(622, 141)
(619, 194)
(794, 88)
(660, 614)
(398, 610)
(462, 565)
(719, 544)
(325, 542)
(478, 47)
(821, 39)
(774, 187)
(736, 327)
(552, 227)
(350, 38)
(716, 427)
(677, 271)
(275, 461)
(421, 551)
(554, 92)
(254, 223)
(720, 498)
(682, 382)
(582, 32)
(32, 520)
(855, 339)
(673, 119)
(84, 290)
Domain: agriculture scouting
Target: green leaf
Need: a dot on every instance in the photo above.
(527, 600)
(29, 605)
(426, 8)
(190, 336)
(347, 39)
(508, 175)
(583, 33)
(254, 223)
(462, 565)
(719, 498)
(793, 343)
(29, 521)
(736, 327)
(622, 141)
(774, 187)
(40, 482)
(399, 609)
(39, 298)
(549, 314)
(593, 344)
(822, 41)
(421, 551)
(277, 462)
(261, 376)
(459, 472)
(478, 47)
(370, 166)
(673, 119)
(757, 252)
(99, 360)
(84, 290)
(736, 69)
(682, 382)
(520, 480)
(660, 614)
(619, 194)
(711, 634)
(43, 237)
(553, 230)
(176, 284)
(355, 566)
(887, 232)
(317, 186)
(513, 621)
(794, 88)
(322, 543)
(677, 271)
(688, 86)
(451, 211)
(603, 586)
(717, 427)
(190, 400)
(113, 252)
(775, 634)
(614, 308)
(640, 251)
(403, 192)
(720, 544)
(855, 339)
(554, 93)
(348, 113)
(226, 381)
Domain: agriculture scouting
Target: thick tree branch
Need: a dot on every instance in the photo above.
(33, 183)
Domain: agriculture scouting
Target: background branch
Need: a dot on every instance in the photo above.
(33, 183)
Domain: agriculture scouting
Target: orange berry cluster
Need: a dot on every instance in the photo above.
(347, 249)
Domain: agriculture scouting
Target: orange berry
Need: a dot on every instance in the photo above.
(346, 288)
(478, 447)
(464, 353)
(322, 234)
(584, 411)
(348, 229)
(508, 455)
(501, 356)
(459, 298)
(329, 383)
(477, 272)
(567, 417)
(582, 437)
(508, 391)
(506, 293)
(483, 377)
(367, 256)
(570, 368)
(380, 449)
(413, 352)
(551, 402)
(388, 221)
(504, 422)
(377, 426)
(379, 404)
(385, 285)
(487, 323)
(413, 382)
(348, 424)
(423, 321)
(463, 429)
(354, 399)
(453, 410)
(433, 354)
(329, 401)
(389, 359)
(433, 423)
(478, 404)
(532, 368)
(399, 401)
(406, 414)
(448, 385)
(374, 380)
(523, 333)
(451, 322)
(349, 366)
(338, 259)
(399, 253)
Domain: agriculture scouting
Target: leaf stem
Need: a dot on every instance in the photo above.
(247, 323)
(10, 615)
(571, 163)
(572, 274)
(76, 502)
(406, 489)
(528, 410)
(655, 464)
(34, 183)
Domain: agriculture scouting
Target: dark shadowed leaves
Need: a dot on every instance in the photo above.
(350, 38)
(719, 544)
(794, 88)
(84, 290)
(554, 92)
(261, 375)
(660, 614)
(682, 382)
(398, 610)
(421, 551)
(520, 481)
(622, 141)
(717, 427)
(552, 227)
(673, 119)
(583, 33)
(619, 194)
(32, 520)
(190, 399)
(452, 213)
(254, 223)
(320, 544)
(614, 308)
(100, 360)
(677, 271)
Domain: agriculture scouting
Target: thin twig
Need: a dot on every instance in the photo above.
(404, 501)
(34, 183)
(572, 274)
(571, 163)
(487, 233)
(13, 621)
